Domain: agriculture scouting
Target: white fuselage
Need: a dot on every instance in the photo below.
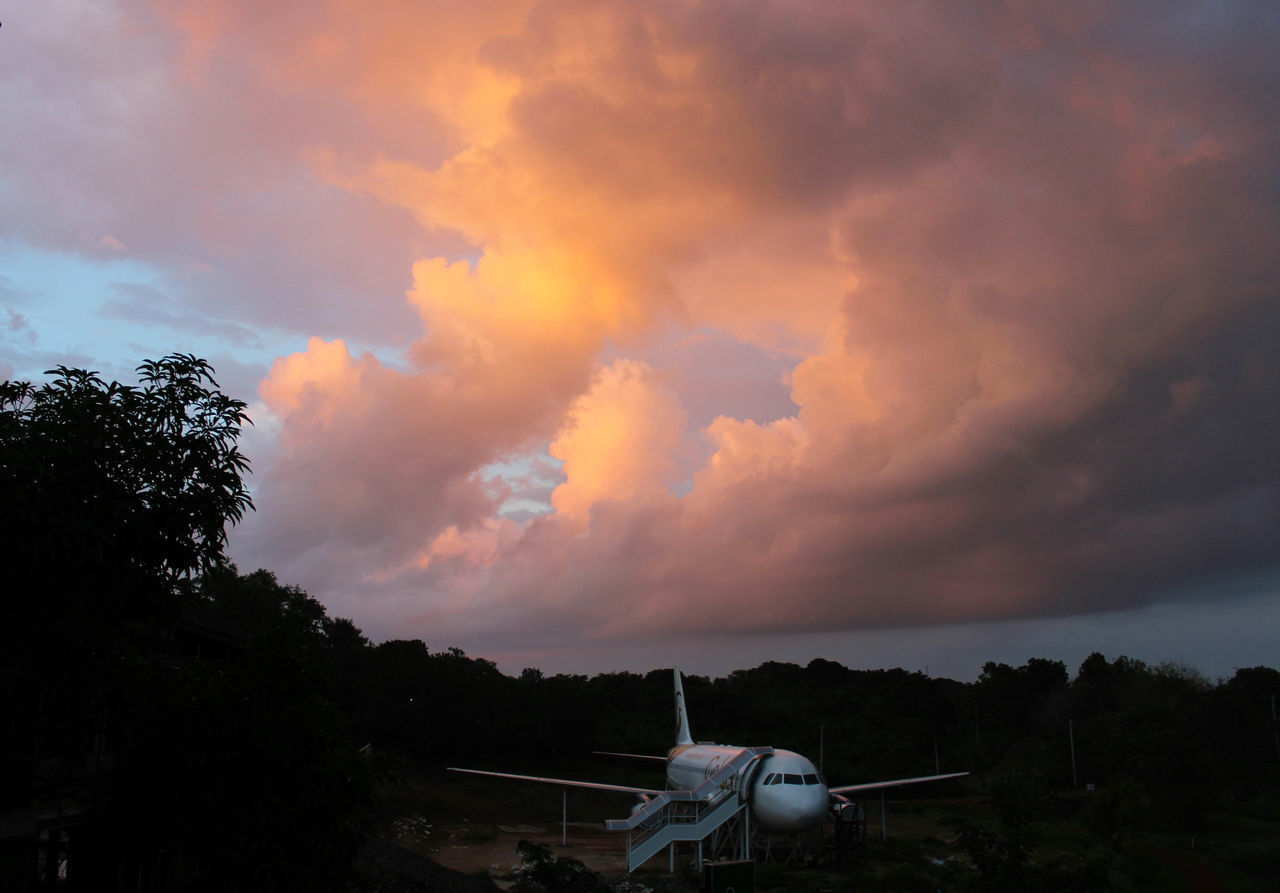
(785, 791)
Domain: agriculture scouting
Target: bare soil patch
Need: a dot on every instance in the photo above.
(457, 847)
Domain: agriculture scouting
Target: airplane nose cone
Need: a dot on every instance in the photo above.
(790, 808)
(789, 794)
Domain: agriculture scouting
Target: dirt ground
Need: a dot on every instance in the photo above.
(475, 848)
(588, 842)
(426, 815)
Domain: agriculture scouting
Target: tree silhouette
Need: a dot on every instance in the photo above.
(115, 495)
(183, 708)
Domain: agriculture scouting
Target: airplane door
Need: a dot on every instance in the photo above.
(748, 777)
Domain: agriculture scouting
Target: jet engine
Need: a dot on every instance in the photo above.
(845, 810)
(649, 824)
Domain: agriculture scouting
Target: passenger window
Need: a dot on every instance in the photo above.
(793, 779)
(810, 778)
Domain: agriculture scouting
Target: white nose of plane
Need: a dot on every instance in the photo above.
(788, 794)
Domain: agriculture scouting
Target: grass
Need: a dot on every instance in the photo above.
(1237, 852)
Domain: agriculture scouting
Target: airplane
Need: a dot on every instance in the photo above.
(785, 791)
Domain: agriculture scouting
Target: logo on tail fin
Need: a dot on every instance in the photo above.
(682, 718)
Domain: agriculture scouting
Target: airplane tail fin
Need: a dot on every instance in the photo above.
(682, 716)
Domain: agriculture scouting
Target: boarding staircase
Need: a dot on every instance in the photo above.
(719, 803)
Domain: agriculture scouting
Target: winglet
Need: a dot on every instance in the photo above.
(682, 717)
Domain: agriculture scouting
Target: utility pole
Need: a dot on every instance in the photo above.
(1275, 726)
(1071, 736)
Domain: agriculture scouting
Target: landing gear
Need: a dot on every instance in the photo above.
(732, 841)
(801, 848)
(848, 843)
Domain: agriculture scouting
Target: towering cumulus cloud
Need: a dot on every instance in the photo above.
(1014, 263)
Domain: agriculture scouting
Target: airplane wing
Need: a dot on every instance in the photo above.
(878, 785)
(572, 784)
(630, 756)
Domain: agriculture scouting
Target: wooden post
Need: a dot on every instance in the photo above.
(1071, 734)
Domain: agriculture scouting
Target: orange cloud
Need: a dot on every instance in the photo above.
(322, 381)
(621, 440)
(991, 247)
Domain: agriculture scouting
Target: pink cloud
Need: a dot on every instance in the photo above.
(205, 177)
(1017, 266)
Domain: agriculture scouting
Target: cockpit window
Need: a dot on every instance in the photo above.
(810, 778)
(771, 778)
(793, 778)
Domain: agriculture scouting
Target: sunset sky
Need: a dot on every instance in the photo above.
(604, 334)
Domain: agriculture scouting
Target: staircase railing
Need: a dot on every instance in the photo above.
(693, 815)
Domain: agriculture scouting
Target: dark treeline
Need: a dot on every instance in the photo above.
(171, 723)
